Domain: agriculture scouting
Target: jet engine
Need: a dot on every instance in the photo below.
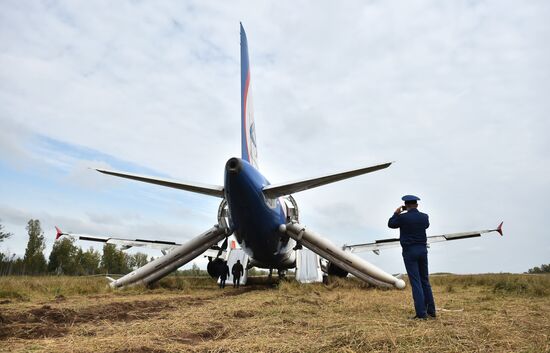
(291, 209)
(224, 218)
(215, 267)
(332, 269)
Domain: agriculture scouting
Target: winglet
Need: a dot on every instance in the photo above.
(59, 233)
(499, 229)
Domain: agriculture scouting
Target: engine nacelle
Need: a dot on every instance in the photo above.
(224, 219)
(215, 267)
(291, 209)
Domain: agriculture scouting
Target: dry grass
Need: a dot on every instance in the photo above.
(495, 313)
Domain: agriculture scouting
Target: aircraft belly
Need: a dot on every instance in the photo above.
(255, 222)
(264, 245)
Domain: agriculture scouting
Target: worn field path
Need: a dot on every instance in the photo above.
(344, 316)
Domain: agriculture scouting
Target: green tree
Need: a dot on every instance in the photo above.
(113, 260)
(34, 261)
(136, 260)
(88, 261)
(64, 257)
(542, 269)
(3, 235)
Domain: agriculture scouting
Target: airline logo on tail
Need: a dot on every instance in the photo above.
(248, 130)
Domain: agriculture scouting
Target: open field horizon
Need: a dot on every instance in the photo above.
(496, 313)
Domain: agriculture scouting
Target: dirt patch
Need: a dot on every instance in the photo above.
(33, 331)
(60, 298)
(5, 301)
(140, 350)
(242, 314)
(54, 322)
(243, 290)
(213, 331)
(187, 338)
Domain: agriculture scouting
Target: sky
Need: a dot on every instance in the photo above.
(455, 92)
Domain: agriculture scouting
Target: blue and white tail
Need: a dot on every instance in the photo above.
(248, 130)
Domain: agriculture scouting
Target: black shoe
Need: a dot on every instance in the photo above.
(416, 317)
(432, 315)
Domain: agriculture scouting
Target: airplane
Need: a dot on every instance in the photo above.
(262, 217)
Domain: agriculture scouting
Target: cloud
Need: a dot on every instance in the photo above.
(454, 92)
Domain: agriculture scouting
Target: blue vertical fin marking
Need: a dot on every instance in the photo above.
(248, 129)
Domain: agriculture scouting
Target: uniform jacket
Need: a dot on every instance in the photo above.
(412, 227)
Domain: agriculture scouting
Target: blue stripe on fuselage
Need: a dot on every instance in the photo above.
(255, 223)
(245, 73)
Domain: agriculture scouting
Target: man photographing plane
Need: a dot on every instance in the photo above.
(412, 226)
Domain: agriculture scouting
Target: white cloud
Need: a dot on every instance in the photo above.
(454, 91)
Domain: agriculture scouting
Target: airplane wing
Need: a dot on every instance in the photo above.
(343, 259)
(276, 190)
(164, 246)
(211, 190)
(383, 244)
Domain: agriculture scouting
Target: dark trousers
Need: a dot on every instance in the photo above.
(236, 281)
(222, 282)
(416, 263)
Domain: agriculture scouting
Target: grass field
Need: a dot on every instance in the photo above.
(477, 313)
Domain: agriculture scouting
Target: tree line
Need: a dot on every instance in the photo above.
(542, 269)
(65, 258)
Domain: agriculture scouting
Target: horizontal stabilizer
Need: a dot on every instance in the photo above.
(276, 190)
(383, 244)
(211, 190)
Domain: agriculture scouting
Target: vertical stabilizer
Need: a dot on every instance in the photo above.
(248, 130)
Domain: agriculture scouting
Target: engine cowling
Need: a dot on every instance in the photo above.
(291, 209)
(215, 267)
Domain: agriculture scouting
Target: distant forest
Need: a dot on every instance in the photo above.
(68, 259)
(541, 269)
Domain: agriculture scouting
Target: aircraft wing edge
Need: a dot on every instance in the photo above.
(277, 190)
(211, 190)
(381, 244)
(164, 246)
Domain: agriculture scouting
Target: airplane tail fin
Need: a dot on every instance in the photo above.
(248, 130)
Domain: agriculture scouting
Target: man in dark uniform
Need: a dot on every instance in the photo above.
(412, 227)
(224, 275)
(237, 271)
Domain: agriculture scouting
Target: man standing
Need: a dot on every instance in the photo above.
(224, 275)
(412, 227)
(237, 271)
